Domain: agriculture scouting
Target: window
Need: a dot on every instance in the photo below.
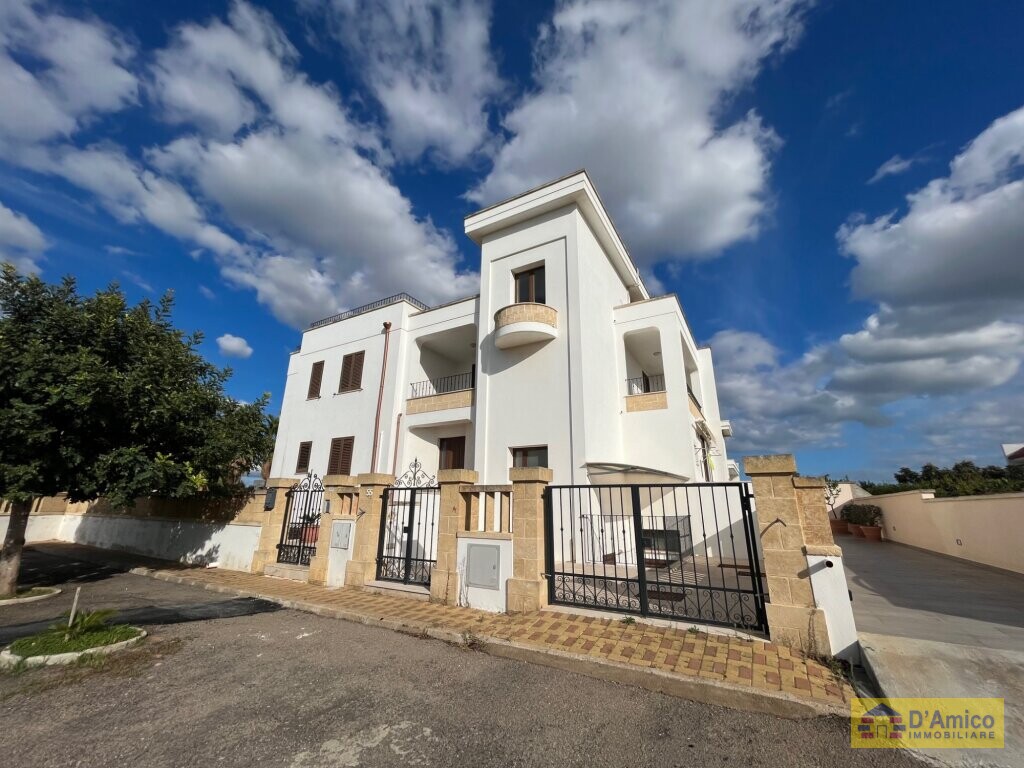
(530, 285)
(536, 456)
(315, 377)
(302, 465)
(351, 372)
(340, 460)
(452, 453)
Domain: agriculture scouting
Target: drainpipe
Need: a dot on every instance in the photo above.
(398, 431)
(380, 398)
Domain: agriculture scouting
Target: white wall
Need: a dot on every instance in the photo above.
(230, 546)
(523, 393)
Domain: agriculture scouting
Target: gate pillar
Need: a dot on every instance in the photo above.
(528, 589)
(362, 568)
(791, 516)
(452, 517)
(341, 497)
(273, 519)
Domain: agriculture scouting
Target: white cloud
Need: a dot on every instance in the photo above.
(428, 63)
(635, 93)
(946, 276)
(82, 69)
(894, 166)
(21, 242)
(234, 346)
(206, 293)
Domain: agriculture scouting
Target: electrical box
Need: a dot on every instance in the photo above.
(341, 533)
(483, 564)
(271, 499)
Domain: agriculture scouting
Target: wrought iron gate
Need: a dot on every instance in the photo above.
(687, 552)
(301, 526)
(407, 548)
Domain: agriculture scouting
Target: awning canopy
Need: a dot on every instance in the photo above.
(614, 473)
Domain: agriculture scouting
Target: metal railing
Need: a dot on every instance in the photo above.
(642, 385)
(368, 307)
(430, 387)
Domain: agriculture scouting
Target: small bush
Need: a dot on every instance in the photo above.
(862, 514)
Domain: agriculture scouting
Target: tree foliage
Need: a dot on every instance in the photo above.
(99, 398)
(965, 478)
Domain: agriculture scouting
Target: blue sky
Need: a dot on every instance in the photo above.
(833, 189)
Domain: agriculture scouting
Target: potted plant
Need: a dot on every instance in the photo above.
(871, 522)
(850, 517)
(864, 520)
(835, 520)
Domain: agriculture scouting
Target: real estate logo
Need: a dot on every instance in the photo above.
(930, 722)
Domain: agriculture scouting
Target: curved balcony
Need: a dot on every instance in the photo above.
(526, 323)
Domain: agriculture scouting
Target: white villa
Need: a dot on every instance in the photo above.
(562, 360)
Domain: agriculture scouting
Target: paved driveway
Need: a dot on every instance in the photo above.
(281, 688)
(934, 626)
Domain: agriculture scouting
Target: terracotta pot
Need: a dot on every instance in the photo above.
(871, 532)
(855, 530)
(838, 527)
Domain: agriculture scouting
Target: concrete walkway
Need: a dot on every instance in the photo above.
(933, 626)
(718, 669)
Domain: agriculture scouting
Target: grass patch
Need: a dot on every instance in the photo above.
(50, 642)
(28, 592)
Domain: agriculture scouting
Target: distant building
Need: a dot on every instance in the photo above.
(1014, 453)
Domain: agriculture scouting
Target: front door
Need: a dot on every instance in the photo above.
(452, 453)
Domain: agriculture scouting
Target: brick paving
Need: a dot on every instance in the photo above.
(735, 661)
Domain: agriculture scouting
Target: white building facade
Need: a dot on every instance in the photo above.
(563, 360)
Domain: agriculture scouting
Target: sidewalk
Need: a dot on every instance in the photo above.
(717, 669)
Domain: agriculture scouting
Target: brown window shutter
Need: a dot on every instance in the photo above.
(351, 372)
(302, 465)
(315, 377)
(340, 461)
(347, 444)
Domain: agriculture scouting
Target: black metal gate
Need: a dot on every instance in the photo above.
(407, 548)
(686, 552)
(301, 526)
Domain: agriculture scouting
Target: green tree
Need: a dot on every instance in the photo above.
(99, 398)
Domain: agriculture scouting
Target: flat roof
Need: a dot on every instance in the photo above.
(398, 297)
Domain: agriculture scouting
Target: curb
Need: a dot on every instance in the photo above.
(718, 693)
(8, 659)
(32, 599)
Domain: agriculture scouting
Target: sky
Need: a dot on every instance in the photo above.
(835, 190)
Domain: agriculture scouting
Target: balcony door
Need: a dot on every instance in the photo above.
(452, 453)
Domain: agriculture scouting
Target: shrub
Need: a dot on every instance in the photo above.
(862, 514)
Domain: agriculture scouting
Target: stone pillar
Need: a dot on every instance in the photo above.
(452, 516)
(362, 568)
(791, 514)
(528, 589)
(338, 498)
(273, 520)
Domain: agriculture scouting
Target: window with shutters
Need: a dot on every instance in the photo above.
(452, 453)
(351, 372)
(302, 465)
(340, 460)
(316, 376)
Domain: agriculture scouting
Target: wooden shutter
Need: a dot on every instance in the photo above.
(302, 465)
(315, 377)
(340, 461)
(351, 372)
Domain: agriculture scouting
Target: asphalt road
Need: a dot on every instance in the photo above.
(229, 682)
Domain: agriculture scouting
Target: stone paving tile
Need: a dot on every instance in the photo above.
(738, 661)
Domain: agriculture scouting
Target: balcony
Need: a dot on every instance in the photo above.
(695, 408)
(519, 324)
(646, 393)
(455, 391)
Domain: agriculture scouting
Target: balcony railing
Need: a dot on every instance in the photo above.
(693, 398)
(432, 387)
(642, 385)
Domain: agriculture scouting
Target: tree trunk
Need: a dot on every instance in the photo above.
(14, 542)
